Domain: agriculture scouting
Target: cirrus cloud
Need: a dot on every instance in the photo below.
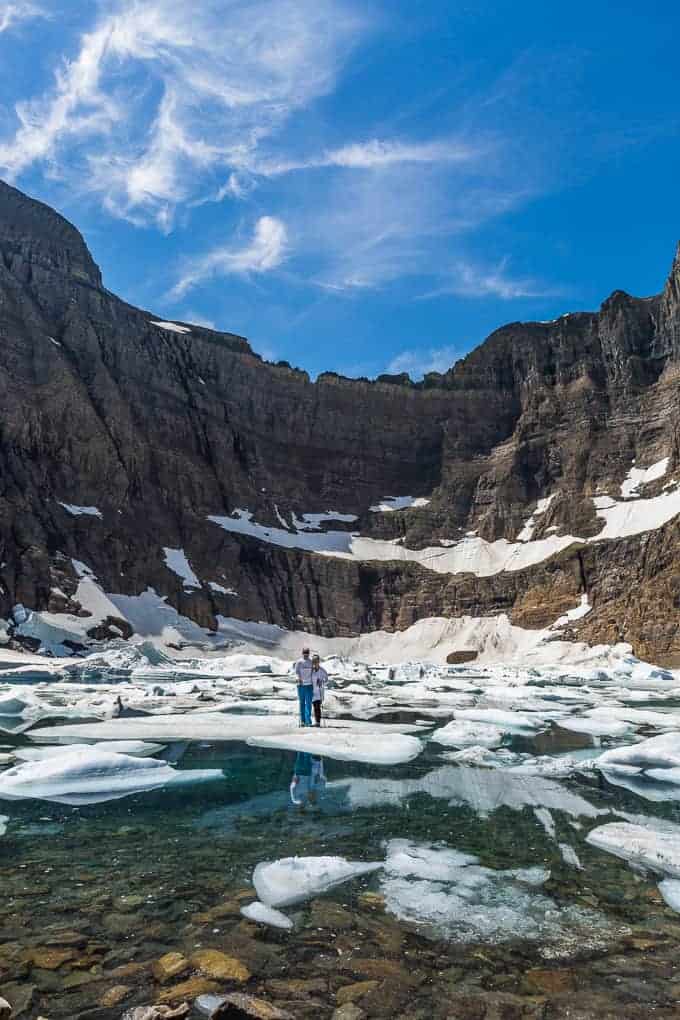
(160, 92)
(265, 252)
(13, 12)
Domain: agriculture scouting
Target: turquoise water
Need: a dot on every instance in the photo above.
(94, 895)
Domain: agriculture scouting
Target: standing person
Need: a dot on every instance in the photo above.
(319, 678)
(303, 671)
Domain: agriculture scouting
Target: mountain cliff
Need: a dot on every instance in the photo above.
(539, 474)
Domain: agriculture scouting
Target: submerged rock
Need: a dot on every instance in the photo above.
(355, 991)
(238, 1006)
(214, 964)
(170, 966)
(350, 1011)
(158, 1012)
(189, 989)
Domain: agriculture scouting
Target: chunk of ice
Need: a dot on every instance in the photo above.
(295, 879)
(263, 914)
(91, 776)
(670, 890)
(655, 846)
(464, 733)
(658, 757)
(468, 902)
(135, 748)
(374, 748)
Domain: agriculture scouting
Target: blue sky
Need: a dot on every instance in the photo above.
(362, 187)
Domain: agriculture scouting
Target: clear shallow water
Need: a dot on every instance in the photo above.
(93, 895)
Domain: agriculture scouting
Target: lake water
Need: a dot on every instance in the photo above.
(534, 922)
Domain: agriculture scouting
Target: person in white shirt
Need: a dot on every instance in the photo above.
(303, 671)
(319, 678)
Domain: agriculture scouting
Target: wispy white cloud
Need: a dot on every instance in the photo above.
(392, 222)
(467, 279)
(161, 101)
(376, 153)
(418, 363)
(197, 319)
(160, 91)
(13, 12)
(264, 252)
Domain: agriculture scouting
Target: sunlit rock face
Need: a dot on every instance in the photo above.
(503, 485)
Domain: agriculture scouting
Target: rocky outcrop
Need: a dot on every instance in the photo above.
(158, 429)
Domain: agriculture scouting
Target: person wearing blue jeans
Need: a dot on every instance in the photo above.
(303, 671)
(305, 697)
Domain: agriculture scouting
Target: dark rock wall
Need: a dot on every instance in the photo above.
(159, 429)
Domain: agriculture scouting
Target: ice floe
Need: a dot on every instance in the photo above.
(4, 822)
(224, 726)
(263, 914)
(657, 759)
(135, 748)
(451, 894)
(670, 890)
(374, 748)
(91, 776)
(295, 879)
(655, 846)
(464, 733)
(655, 756)
(511, 722)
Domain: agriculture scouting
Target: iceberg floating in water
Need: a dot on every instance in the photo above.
(135, 748)
(465, 733)
(373, 748)
(4, 821)
(657, 758)
(512, 722)
(670, 890)
(451, 894)
(263, 914)
(90, 776)
(655, 845)
(295, 879)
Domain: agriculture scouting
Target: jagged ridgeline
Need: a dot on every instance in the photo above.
(537, 479)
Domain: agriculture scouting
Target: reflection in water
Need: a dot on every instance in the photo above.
(464, 860)
(309, 781)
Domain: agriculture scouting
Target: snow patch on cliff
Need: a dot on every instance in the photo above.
(171, 327)
(391, 503)
(81, 511)
(176, 560)
(642, 476)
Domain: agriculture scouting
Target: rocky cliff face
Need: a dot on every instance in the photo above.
(159, 429)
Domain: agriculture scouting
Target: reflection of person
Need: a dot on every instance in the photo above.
(303, 671)
(319, 678)
(308, 781)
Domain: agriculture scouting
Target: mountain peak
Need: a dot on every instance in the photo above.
(32, 232)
